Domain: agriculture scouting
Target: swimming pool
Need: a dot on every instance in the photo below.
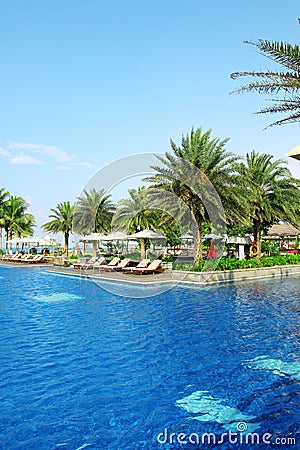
(82, 368)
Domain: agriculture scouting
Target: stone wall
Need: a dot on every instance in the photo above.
(236, 275)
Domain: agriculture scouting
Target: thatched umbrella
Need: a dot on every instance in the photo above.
(143, 235)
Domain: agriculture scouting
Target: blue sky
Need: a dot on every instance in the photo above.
(85, 82)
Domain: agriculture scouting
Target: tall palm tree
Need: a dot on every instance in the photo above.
(62, 221)
(133, 213)
(93, 212)
(272, 193)
(136, 213)
(208, 154)
(286, 81)
(15, 220)
(3, 196)
(25, 225)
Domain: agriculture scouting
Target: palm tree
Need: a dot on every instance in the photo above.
(25, 225)
(93, 212)
(272, 193)
(133, 213)
(62, 221)
(286, 81)
(198, 149)
(14, 218)
(136, 213)
(3, 196)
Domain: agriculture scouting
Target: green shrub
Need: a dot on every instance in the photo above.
(265, 261)
(182, 266)
(168, 258)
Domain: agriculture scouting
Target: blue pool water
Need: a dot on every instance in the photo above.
(82, 368)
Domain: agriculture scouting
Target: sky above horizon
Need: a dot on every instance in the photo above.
(86, 82)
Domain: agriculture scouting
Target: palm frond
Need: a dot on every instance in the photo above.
(273, 82)
(281, 52)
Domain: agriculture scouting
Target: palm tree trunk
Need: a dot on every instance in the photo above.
(67, 243)
(10, 235)
(257, 236)
(6, 239)
(94, 249)
(143, 249)
(198, 246)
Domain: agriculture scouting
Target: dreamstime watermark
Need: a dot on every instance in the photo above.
(181, 172)
(241, 436)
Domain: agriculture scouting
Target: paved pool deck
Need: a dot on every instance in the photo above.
(113, 275)
(175, 276)
(193, 278)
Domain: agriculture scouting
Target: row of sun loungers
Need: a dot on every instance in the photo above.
(125, 266)
(25, 259)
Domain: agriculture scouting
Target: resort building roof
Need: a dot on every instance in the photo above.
(294, 153)
(283, 230)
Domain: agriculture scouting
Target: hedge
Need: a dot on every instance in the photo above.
(265, 261)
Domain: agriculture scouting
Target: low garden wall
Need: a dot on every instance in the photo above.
(226, 276)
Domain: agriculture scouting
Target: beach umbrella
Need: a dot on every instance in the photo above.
(115, 236)
(187, 240)
(37, 241)
(18, 241)
(239, 240)
(186, 237)
(212, 236)
(33, 240)
(94, 238)
(146, 234)
(47, 241)
(13, 241)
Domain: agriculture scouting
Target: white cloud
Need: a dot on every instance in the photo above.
(26, 159)
(3, 152)
(50, 150)
(40, 215)
(28, 200)
(26, 153)
(83, 164)
(79, 164)
(63, 167)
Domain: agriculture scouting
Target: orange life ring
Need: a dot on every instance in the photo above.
(254, 250)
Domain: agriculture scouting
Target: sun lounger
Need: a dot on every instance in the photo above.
(35, 260)
(99, 263)
(90, 265)
(120, 266)
(16, 256)
(79, 264)
(25, 258)
(154, 267)
(113, 263)
(141, 265)
(6, 257)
